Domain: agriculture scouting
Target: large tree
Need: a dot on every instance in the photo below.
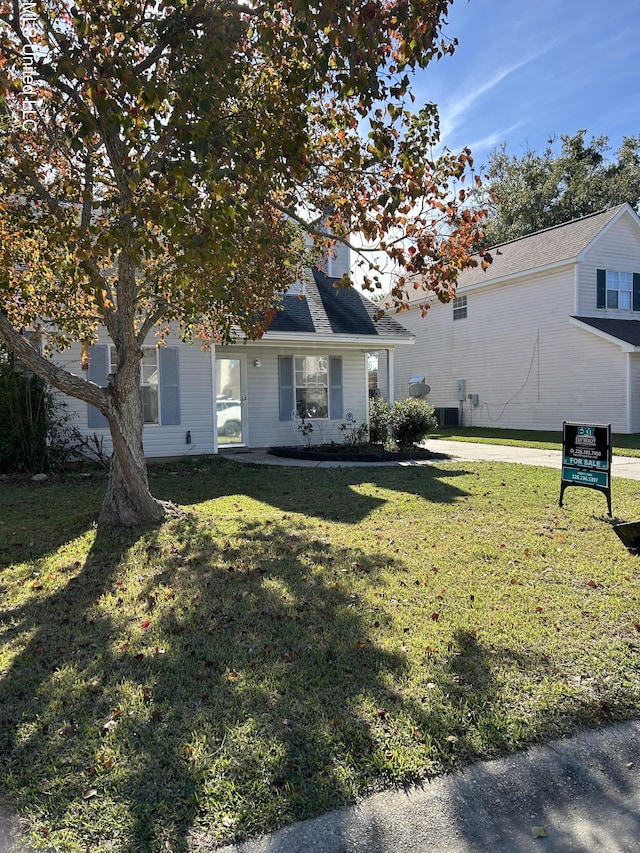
(535, 191)
(159, 161)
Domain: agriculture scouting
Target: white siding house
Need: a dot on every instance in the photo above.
(312, 361)
(549, 332)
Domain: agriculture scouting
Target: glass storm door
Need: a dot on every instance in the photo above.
(229, 401)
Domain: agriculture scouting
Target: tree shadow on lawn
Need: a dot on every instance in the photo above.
(183, 690)
(242, 693)
(329, 493)
(37, 518)
(239, 685)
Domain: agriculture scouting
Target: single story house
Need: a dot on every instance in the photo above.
(549, 332)
(312, 360)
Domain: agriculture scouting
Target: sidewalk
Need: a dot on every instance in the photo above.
(621, 466)
(583, 793)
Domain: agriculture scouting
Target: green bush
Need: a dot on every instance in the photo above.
(411, 421)
(35, 434)
(379, 414)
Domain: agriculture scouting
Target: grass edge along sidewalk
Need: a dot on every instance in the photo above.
(622, 445)
(297, 641)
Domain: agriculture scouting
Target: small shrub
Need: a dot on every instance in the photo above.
(379, 415)
(411, 421)
(305, 428)
(354, 436)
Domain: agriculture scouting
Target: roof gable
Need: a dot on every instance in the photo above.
(550, 247)
(327, 310)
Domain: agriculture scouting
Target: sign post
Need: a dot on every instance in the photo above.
(586, 457)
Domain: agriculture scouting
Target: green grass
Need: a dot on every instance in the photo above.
(622, 445)
(298, 639)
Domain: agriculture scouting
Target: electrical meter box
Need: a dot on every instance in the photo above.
(462, 390)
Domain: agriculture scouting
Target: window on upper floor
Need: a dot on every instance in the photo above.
(618, 290)
(459, 307)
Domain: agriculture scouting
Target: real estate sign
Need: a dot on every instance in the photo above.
(586, 457)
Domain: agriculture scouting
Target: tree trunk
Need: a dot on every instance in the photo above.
(128, 501)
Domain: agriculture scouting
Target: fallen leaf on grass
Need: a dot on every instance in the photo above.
(88, 795)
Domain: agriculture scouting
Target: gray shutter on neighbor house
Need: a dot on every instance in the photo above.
(98, 372)
(636, 291)
(601, 285)
(287, 391)
(335, 387)
(169, 385)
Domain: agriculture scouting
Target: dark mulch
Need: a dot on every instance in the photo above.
(340, 454)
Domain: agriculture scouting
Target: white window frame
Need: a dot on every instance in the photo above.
(460, 307)
(617, 294)
(147, 380)
(302, 369)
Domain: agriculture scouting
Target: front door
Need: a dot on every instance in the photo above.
(229, 401)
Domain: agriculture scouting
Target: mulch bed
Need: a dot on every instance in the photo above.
(340, 455)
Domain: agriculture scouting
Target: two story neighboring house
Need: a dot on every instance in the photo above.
(549, 332)
(312, 360)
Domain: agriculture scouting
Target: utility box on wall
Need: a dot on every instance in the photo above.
(462, 390)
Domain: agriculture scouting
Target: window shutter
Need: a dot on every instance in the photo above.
(287, 391)
(335, 387)
(98, 372)
(169, 385)
(601, 279)
(636, 291)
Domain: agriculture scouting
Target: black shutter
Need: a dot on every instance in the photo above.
(636, 291)
(601, 298)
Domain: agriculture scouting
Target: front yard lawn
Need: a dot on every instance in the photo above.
(298, 639)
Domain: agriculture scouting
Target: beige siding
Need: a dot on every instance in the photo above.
(618, 249)
(520, 354)
(263, 426)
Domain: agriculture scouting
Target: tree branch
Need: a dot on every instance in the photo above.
(51, 373)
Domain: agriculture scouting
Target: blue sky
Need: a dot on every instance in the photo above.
(526, 70)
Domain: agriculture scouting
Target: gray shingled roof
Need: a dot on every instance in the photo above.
(544, 248)
(624, 330)
(327, 310)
